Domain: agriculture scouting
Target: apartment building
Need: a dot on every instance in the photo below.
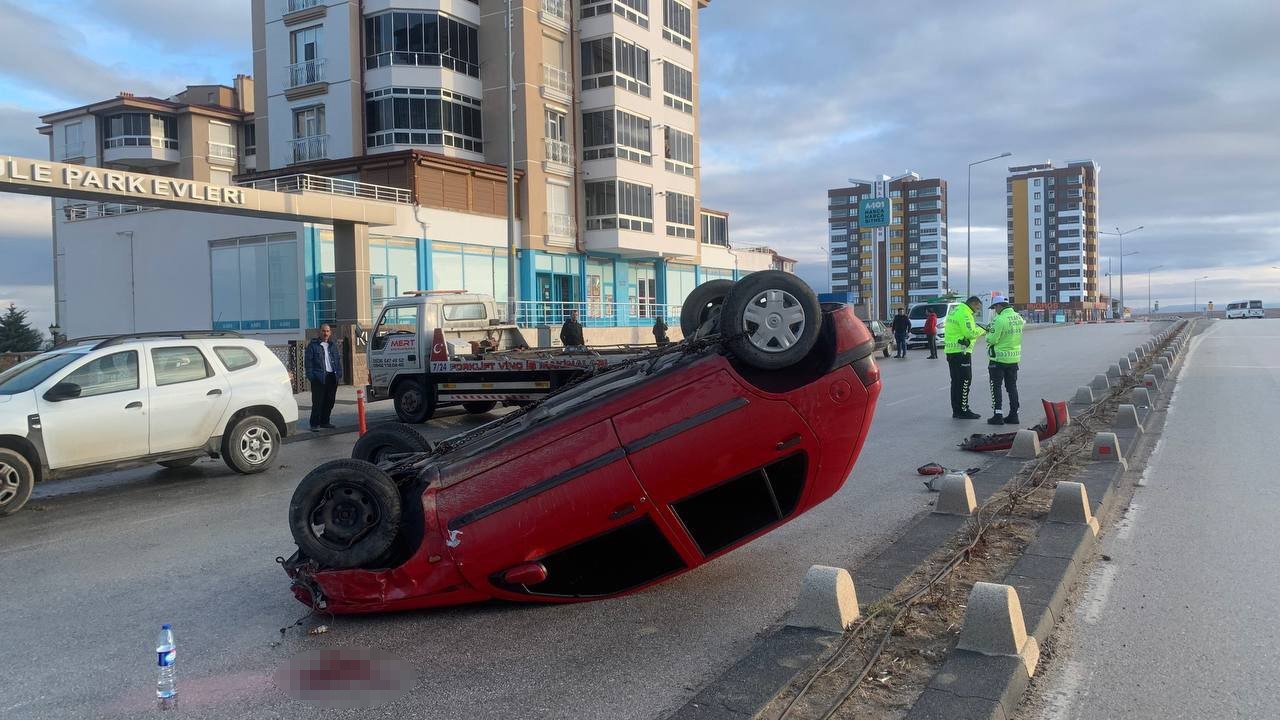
(887, 241)
(1052, 216)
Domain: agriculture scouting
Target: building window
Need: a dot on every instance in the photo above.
(1039, 286)
(250, 139)
(677, 87)
(616, 133)
(680, 212)
(422, 116)
(307, 65)
(1037, 221)
(1039, 273)
(222, 142)
(1037, 182)
(72, 141)
(141, 130)
(611, 60)
(677, 23)
(715, 230)
(617, 204)
(218, 176)
(255, 283)
(421, 39)
(1037, 237)
(636, 11)
(309, 138)
(678, 151)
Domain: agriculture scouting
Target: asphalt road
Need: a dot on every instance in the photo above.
(1182, 622)
(93, 567)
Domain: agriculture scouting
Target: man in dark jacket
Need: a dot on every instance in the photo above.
(571, 331)
(323, 364)
(901, 328)
(660, 332)
(931, 334)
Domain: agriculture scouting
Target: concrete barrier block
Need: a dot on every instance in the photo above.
(993, 625)
(957, 496)
(1125, 365)
(1100, 382)
(828, 600)
(1140, 397)
(1133, 358)
(1139, 352)
(1026, 445)
(1071, 506)
(1158, 370)
(1165, 363)
(1150, 381)
(1114, 372)
(1127, 417)
(1106, 448)
(1084, 394)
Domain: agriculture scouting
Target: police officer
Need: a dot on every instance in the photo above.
(961, 332)
(1004, 349)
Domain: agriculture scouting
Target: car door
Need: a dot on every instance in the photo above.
(105, 420)
(188, 397)
(394, 349)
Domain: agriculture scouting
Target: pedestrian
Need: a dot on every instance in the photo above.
(1004, 350)
(901, 328)
(571, 331)
(660, 332)
(323, 364)
(961, 332)
(931, 333)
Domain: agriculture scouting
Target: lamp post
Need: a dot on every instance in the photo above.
(54, 331)
(830, 268)
(968, 231)
(1195, 293)
(1149, 289)
(1121, 235)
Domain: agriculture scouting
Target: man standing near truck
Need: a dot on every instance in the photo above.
(961, 332)
(571, 331)
(1004, 349)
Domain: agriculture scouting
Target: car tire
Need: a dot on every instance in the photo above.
(251, 445)
(389, 439)
(17, 480)
(702, 305)
(885, 351)
(345, 514)
(479, 408)
(771, 319)
(179, 463)
(415, 402)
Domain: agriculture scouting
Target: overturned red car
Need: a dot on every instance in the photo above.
(626, 478)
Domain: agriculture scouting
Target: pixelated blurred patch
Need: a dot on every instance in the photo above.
(345, 678)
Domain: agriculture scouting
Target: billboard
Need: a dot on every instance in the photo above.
(873, 212)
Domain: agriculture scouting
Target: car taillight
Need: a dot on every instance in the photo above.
(867, 369)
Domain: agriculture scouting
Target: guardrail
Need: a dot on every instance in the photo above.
(334, 186)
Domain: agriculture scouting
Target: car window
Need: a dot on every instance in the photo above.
(175, 365)
(464, 311)
(117, 372)
(26, 375)
(235, 358)
(1255, 304)
(395, 321)
(921, 312)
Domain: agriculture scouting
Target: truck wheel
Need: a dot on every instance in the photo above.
(391, 439)
(16, 481)
(414, 402)
(479, 408)
(345, 513)
(772, 319)
(703, 304)
(251, 445)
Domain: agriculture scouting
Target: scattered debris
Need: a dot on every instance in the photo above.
(318, 630)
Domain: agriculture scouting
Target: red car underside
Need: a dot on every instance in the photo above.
(624, 481)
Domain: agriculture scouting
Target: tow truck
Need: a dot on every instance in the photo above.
(436, 348)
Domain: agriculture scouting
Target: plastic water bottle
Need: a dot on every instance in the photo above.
(166, 654)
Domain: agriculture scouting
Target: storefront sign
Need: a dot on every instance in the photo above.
(126, 185)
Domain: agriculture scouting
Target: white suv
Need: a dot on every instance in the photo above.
(169, 398)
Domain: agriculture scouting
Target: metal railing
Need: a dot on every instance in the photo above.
(311, 148)
(222, 150)
(531, 313)
(556, 79)
(333, 186)
(558, 9)
(558, 151)
(296, 5)
(559, 225)
(93, 211)
(305, 73)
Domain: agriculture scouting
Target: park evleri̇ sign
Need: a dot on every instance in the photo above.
(77, 179)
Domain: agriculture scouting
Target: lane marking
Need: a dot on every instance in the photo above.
(1067, 688)
(1124, 528)
(1095, 601)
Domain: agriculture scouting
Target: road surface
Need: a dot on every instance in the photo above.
(93, 567)
(1182, 622)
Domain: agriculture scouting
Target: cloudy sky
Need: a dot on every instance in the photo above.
(1179, 105)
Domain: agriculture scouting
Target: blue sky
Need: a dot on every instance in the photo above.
(1178, 108)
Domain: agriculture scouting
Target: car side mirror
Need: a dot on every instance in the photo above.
(62, 391)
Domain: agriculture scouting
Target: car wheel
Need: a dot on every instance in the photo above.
(414, 402)
(771, 319)
(702, 305)
(479, 408)
(181, 463)
(383, 441)
(345, 513)
(16, 481)
(885, 351)
(251, 445)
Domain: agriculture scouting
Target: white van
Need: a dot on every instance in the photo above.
(1255, 309)
(919, 313)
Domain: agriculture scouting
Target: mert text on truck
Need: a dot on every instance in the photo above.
(433, 349)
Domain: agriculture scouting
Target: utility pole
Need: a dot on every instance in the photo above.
(511, 173)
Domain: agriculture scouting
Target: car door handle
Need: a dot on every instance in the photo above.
(788, 443)
(214, 392)
(135, 405)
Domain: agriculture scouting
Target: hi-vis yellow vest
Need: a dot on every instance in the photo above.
(1004, 343)
(960, 326)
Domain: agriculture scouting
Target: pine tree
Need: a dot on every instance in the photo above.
(16, 334)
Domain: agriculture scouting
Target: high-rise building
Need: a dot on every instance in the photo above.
(894, 260)
(1053, 237)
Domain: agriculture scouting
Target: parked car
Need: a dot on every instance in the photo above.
(633, 475)
(884, 338)
(169, 398)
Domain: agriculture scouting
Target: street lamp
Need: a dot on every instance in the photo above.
(54, 331)
(1195, 293)
(1149, 289)
(1121, 235)
(830, 268)
(968, 231)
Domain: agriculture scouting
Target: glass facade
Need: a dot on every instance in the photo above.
(255, 283)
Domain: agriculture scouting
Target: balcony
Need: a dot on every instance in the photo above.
(626, 237)
(300, 5)
(306, 79)
(559, 157)
(555, 13)
(556, 84)
(560, 229)
(147, 151)
(332, 186)
(222, 152)
(311, 148)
